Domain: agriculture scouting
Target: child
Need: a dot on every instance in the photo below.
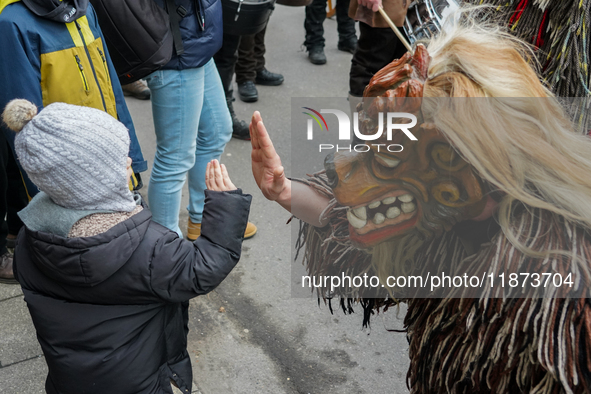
(108, 288)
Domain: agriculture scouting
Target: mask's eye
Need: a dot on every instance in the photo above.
(447, 158)
(388, 162)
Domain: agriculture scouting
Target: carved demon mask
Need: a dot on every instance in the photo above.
(425, 188)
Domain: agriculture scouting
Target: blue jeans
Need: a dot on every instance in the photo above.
(192, 126)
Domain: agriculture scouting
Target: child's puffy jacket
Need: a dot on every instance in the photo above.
(111, 311)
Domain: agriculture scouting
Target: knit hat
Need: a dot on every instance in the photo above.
(76, 155)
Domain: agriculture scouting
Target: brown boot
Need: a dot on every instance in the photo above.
(6, 275)
(193, 230)
(250, 231)
(137, 89)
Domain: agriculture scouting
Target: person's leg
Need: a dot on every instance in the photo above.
(4, 148)
(263, 76)
(345, 24)
(6, 274)
(345, 27)
(246, 63)
(215, 130)
(225, 60)
(377, 47)
(15, 200)
(177, 101)
(259, 50)
(315, 16)
(245, 73)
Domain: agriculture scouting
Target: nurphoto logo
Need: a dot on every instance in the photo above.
(345, 129)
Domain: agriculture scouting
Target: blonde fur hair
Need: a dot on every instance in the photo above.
(504, 122)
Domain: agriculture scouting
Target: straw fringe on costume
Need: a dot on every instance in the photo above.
(501, 339)
(560, 29)
(500, 342)
(328, 251)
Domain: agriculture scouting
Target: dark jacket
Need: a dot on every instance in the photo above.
(199, 45)
(111, 311)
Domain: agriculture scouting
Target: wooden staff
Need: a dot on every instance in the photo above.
(393, 27)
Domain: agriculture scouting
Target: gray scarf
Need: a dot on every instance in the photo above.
(42, 214)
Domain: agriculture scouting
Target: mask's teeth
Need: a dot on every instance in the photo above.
(379, 218)
(374, 205)
(387, 162)
(360, 212)
(389, 200)
(408, 207)
(355, 221)
(393, 213)
(406, 198)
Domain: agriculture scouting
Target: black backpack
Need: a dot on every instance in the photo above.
(139, 35)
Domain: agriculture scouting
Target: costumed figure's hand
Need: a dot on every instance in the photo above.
(307, 205)
(373, 5)
(217, 178)
(266, 165)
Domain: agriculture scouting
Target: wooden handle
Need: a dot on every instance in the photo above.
(393, 27)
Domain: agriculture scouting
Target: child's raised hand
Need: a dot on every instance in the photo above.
(217, 178)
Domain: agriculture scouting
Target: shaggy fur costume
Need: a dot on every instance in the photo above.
(560, 31)
(523, 155)
(497, 343)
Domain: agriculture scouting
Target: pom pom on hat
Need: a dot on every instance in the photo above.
(18, 113)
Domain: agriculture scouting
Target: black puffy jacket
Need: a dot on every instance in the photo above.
(111, 311)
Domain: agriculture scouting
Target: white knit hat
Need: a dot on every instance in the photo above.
(77, 155)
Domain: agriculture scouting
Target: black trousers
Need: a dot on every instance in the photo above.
(251, 56)
(13, 195)
(225, 61)
(244, 55)
(315, 16)
(376, 48)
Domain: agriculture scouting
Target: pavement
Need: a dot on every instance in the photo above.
(250, 335)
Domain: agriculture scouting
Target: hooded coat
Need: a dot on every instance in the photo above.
(47, 61)
(111, 310)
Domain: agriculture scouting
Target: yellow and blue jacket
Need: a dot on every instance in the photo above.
(45, 61)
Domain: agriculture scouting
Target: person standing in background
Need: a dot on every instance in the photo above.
(378, 45)
(245, 56)
(191, 117)
(250, 67)
(315, 16)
